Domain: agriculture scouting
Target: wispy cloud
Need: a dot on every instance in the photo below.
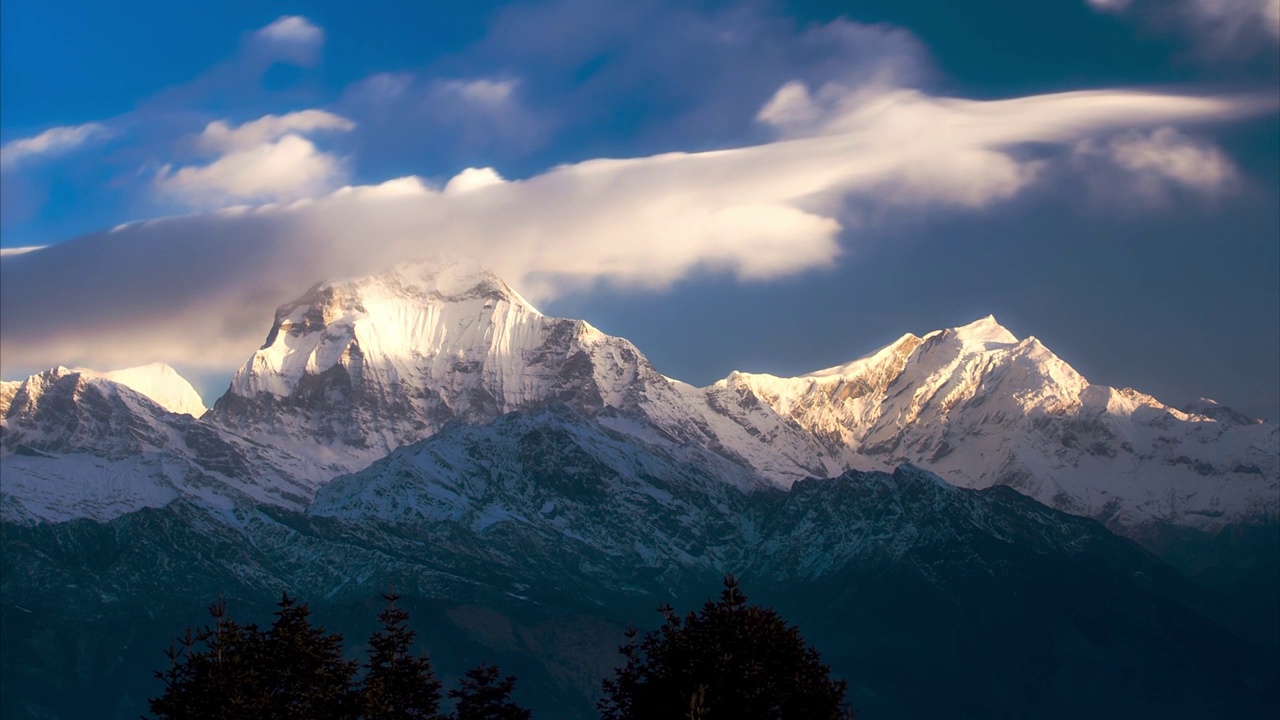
(752, 212)
(6, 252)
(660, 73)
(482, 92)
(50, 143)
(289, 40)
(687, 59)
(293, 38)
(1141, 169)
(1220, 27)
(444, 117)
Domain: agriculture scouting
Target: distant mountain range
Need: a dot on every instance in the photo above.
(533, 484)
(354, 369)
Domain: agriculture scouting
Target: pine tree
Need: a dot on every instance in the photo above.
(398, 685)
(729, 661)
(221, 680)
(482, 696)
(305, 675)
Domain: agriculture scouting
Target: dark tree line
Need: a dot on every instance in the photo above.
(295, 670)
(728, 661)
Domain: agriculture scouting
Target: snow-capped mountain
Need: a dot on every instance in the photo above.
(75, 444)
(981, 407)
(356, 368)
(159, 382)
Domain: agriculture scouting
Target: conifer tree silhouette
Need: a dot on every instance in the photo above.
(481, 695)
(398, 685)
(305, 673)
(729, 661)
(219, 681)
(229, 671)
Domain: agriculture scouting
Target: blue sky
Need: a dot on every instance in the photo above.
(886, 167)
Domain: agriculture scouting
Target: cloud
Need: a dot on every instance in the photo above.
(482, 92)
(50, 143)
(291, 38)
(218, 136)
(1146, 168)
(487, 112)
(157, 130)
(286, 169)
(1115, 160)
(6, 252)
(551, 78)
(239, 79)
(200, 290)
(687, 61)
(472, 179)
(453, 119)
(259, 161)
(1222, 28)
(1167, 153)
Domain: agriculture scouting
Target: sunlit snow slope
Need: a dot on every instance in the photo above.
(981, 407)
(354, 369)
(159, 382)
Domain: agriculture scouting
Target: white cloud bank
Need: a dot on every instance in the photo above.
(200, 290)
(51, 142)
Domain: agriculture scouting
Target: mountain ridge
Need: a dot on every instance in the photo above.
(981, 407)
(354, 369)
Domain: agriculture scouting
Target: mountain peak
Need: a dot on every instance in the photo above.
(456, 277)
(986, 331)
(1210, 408)
(431, 279)
(429, 312)
(162, 384)
(156, 381)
